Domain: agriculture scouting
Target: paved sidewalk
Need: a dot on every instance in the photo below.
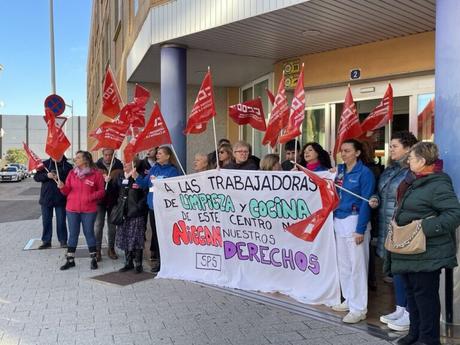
(39, 304)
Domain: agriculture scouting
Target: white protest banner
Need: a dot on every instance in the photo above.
(226, 227)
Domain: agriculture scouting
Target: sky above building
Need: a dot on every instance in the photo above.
(25, 76)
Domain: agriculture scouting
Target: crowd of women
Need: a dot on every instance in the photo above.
(412, 189)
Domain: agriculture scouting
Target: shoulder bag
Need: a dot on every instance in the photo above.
(407, 239)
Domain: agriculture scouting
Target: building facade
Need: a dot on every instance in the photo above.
(32, 130)
(167, 46)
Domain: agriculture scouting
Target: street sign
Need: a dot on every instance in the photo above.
(56, 104)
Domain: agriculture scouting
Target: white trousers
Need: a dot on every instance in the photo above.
(353, 263)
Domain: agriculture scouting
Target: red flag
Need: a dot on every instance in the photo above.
(134, 112)
(56, 141)
(297, 112)
(271, 96)
(203, 109)
(110, 135)
(425, 122)
(154, 134)
(308, 228)
(111, 99)
(249, 112)
(279, 117)
(382, 114)
(35, 163)
(349, 122)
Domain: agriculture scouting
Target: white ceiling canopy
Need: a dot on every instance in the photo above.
(244, 50)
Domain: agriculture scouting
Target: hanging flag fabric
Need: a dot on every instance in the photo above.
(35, 163)
(425, 122)
(382, 114)
(271, 96)
(155, 134)
(203, 109)
(111, 99)
(297, 112)
(110, 135)
(349, 122)
(134, 112)
(308, 228)
(56, 140)
(250, 112)
(279, 116)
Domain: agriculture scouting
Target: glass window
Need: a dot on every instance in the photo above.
(314, 126)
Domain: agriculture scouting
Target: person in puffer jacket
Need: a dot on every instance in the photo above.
(164, 168)
(385, 200)
(130, 234)
(84, 188)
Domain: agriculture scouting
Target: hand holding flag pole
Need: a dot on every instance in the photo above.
(335, 184)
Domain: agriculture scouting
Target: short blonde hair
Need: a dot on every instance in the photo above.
(426, 150)
(269, 161)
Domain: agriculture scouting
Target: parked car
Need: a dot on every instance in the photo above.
(10, 173)
(21, 168)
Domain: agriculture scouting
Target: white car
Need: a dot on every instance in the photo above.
(10, 173)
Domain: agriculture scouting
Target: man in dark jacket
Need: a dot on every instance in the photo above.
(144, 165)
(106, 204)
(51, 198)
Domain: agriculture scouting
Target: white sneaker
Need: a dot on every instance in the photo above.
(401, 324)
(393, 316)
(341, 307)
(354, 317)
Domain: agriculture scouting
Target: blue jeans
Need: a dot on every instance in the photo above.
(47, 219)
(87, 221)
(400, 290)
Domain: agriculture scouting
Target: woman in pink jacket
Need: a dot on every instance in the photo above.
(84, 187)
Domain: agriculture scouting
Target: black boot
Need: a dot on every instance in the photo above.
(70, 262)
(93, 260)
(138, 260)
(128, 262)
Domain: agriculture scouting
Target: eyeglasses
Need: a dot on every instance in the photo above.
(241, 151)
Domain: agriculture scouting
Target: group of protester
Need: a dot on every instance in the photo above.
(411, 188)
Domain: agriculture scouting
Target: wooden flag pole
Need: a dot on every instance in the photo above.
(178, 160)
(110, 169)
(57, 170)
(215, 141)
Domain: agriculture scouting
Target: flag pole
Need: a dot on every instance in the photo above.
(57, 170)
(215, 141)
(110, 168)
(178, 160)
(339, 187)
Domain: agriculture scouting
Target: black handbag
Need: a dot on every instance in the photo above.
(117, 216)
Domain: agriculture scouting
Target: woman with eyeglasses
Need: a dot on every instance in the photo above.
(225, 154)
(241, 161)
(428, 197)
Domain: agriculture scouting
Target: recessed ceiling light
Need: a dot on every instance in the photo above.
(311, 32)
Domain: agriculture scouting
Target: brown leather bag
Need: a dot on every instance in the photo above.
(407, 239)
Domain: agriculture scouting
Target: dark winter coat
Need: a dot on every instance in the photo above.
(248, 165)
(431, 195)
(136, 197)
(111, 192)
(387, 186)
(50, 196)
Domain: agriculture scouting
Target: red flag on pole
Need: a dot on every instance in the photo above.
(382, 114)
(134, 112)
(297, 112)
(250, 112)
(271, 96)
(204, 108)
(349, 122)
(279, 117)
(56, 141)
(35, 163)
(110, 134)
(155, 133)
(111, 99)
(308, 228)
